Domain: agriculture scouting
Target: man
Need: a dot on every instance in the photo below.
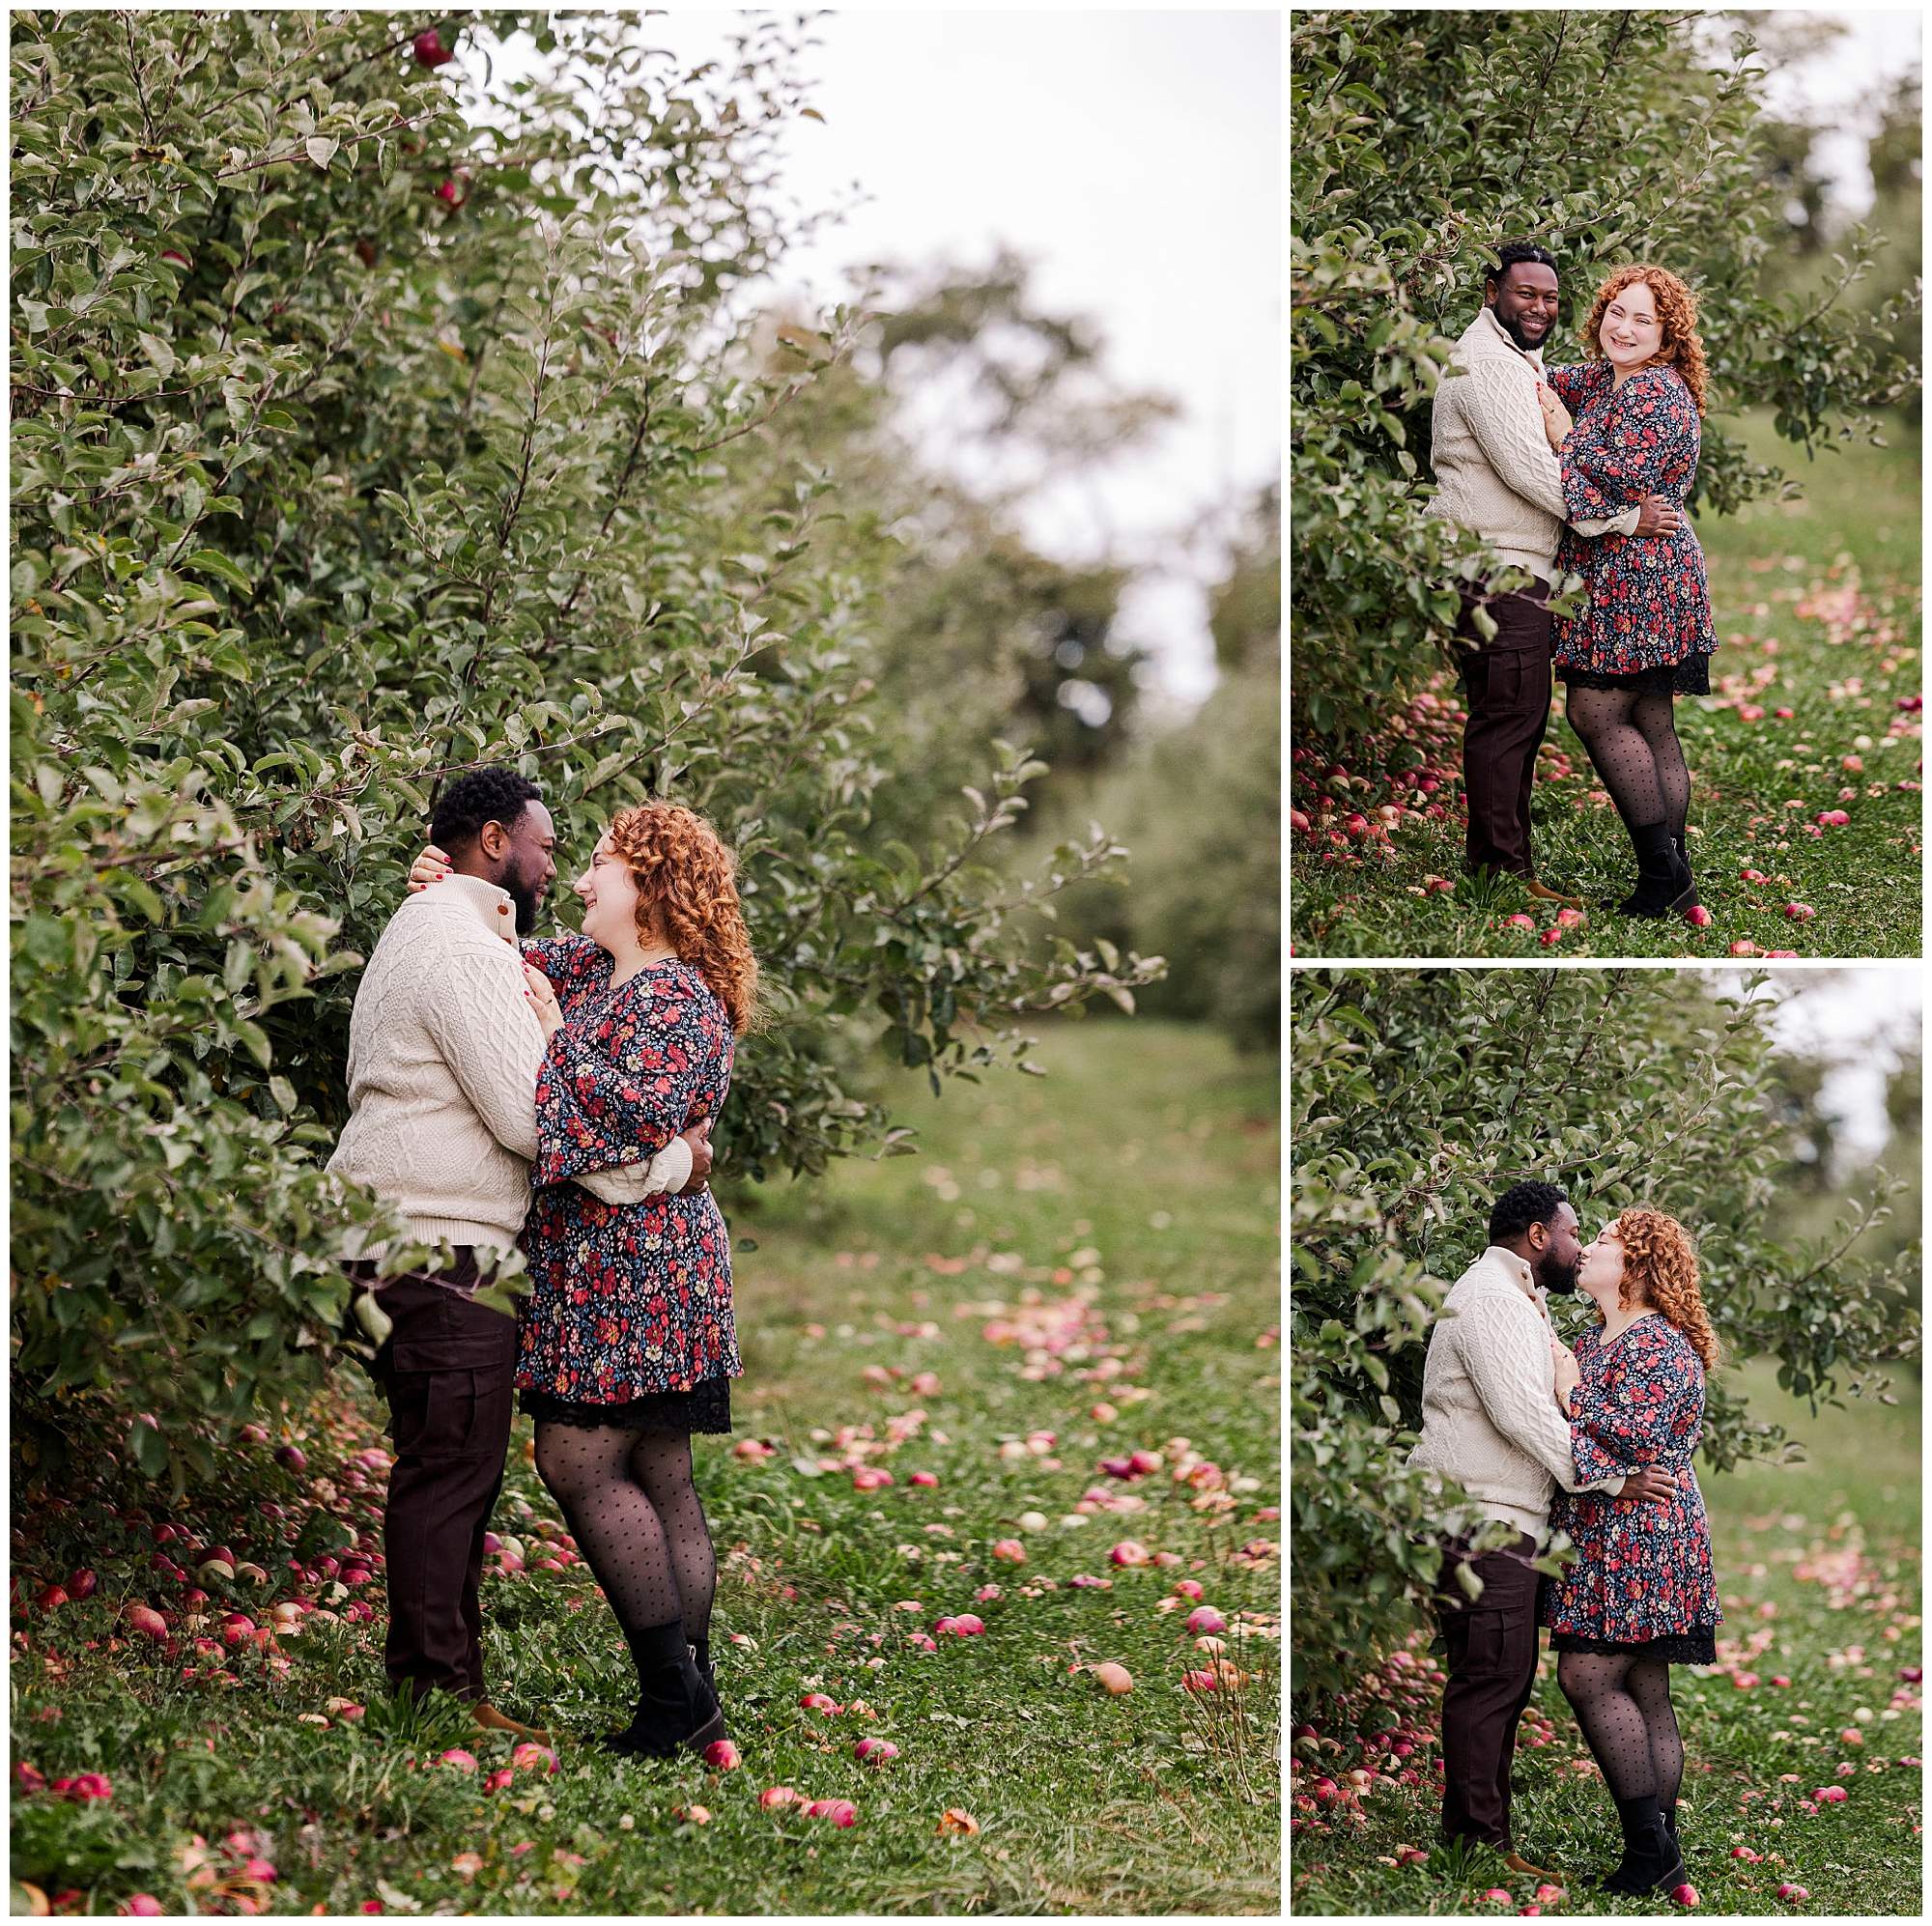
(1497, 474)
(443, 1053)
(1491, 1421)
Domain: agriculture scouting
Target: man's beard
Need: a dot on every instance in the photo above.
(525, 896)
(1514, 329)
(1559, 1280)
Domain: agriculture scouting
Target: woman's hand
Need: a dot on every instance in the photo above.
(431, 867)
(1556, 422)
(543, 1000)
(1568, 1378)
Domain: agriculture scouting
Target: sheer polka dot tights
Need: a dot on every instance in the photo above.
(1623, 1705)
(1631, 740)
(630, 1503)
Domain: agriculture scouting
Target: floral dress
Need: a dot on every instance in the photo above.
(629, 1317)
(1649, 609)
(1643, 1572)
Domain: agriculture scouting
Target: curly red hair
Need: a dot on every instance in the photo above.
(688, 894)
(1676, 313)
(1661, 1271)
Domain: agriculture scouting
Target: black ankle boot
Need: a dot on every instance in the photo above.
(1688, 901)
(1651, 1860)
(675, 1707)
(1664, 882)
(700, 1655)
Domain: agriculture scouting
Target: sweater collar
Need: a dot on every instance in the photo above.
(494, 909)
(1533, 356)
(1517, 1270)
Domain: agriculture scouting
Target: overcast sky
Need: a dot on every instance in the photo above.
(1854, 1020)
(1838, 88)
(1135, 158)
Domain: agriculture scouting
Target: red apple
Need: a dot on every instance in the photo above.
(722, 1756)
(81, 1585)
(430, 50)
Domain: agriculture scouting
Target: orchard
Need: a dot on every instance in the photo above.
(358, 441)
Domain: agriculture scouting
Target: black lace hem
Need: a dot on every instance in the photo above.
(1689, 677)
(705, 1407)
(1696, 1647)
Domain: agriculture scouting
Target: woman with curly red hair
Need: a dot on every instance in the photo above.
(1641, 1596)
(627, 1339)
(1644, 637)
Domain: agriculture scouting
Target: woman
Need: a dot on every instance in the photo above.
(627, 1339)
(1641, 1596)
(1645, 636)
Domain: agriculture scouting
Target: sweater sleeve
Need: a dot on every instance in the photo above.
(1506, 1348)
(1502, 413)
(487, 1033)
(670, 1170)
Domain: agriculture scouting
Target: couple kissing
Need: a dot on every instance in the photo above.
(1597, 1443)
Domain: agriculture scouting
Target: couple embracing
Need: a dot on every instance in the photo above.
(556, 1095)
(1595, 1443)
(1581, 470)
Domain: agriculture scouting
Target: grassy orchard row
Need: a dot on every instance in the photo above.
(942, 1427)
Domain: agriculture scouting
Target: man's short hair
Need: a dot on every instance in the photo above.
(1514, 252)
(483, 796)
(1521, 1205)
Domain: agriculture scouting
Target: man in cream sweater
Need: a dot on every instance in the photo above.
(1496, 473)
(1491, 1421)
(443, 1053)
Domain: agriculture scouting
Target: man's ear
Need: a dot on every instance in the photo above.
(1488, 293)
(492, 840)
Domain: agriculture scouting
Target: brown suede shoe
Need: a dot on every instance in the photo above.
(1544, 894)
(491, 1720)
(1522, 1869)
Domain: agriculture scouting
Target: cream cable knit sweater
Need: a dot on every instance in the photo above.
(1495, 467)
(443, 1053)
(1490, 1417)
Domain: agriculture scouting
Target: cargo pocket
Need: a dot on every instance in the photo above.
(1487, 1645)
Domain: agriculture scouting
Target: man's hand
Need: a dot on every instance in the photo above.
(1658, 517)
(1650, 1483)
(699, 1136)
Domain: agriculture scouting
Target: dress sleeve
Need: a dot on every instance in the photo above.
(1572, 384)
(1645, 441)
(561, 958)
(1638, 1409)
(615, 1092)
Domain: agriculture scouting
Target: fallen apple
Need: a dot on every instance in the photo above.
(875, 1751)
(722, 1756)
(291, 1456)
(1189, 1588)
(1204, 1618)
(956, 1818)
(1117, 1679)
(145, 1623)
(779, 1796)
(1130, 1551)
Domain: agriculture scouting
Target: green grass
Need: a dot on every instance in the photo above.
(1150, 1154)
(1849, 547)
(1856, 1499)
